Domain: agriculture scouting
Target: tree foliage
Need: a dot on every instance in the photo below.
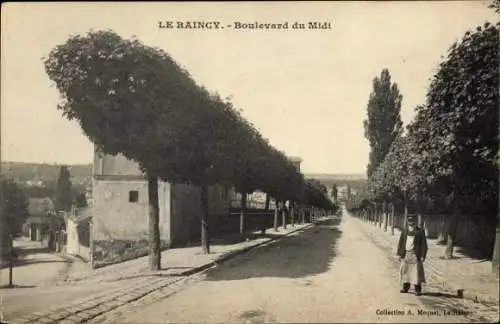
(14, 211)
(456, 131)
(383, 124)
(64, 192)
(133, 99)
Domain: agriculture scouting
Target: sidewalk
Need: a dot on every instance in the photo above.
(472, 276)
(176, 263)
(36, 266)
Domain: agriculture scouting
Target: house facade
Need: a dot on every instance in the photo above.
(41, 212)
(78, 232)
(120, 206)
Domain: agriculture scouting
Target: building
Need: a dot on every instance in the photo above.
(78, 222)
(41, 212)
(296, 161)
(119, 226)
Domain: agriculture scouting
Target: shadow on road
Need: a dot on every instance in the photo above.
(25, 262)
(307, 253)
(16, 286)
(440, 294)
(23, 251)
(479, 255)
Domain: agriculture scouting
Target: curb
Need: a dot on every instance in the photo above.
(433, 271)
(232, 254)
(133, 293)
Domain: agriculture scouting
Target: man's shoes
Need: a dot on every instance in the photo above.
(406, 287)
(418, 290)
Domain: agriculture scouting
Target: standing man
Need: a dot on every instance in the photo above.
(412, 251)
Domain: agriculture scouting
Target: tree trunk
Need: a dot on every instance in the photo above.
(243, 206)
(264, 216)
(283, 216)
(452, 229)
(205, 234)
(442, 235)
(302, 214)
(392, 218)
(496, 250)
(292, 215)
(386, 216)
(276, 211)
(154, 226)
(405, 216)
(453, 224)
(266, 208)
(380, 216)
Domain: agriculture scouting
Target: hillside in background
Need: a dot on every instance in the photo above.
(46, 174)
(81, 175)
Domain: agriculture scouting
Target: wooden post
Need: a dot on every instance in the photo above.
(11, 261)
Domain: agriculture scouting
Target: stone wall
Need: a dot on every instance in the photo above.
(186, 212)
(120, 226)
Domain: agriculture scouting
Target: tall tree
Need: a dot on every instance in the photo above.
(461, 129)
(136, 100)
(384, 120)
(14, 212)
(64, 192)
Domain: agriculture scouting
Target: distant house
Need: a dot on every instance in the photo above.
(119, 223)
(41, 211)
(296, 161)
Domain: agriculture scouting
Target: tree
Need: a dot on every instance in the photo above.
(109, 84)
(14, 210)
(459, 128)
(384, 121)
(495, 5)
(64, 192)
(80, 200)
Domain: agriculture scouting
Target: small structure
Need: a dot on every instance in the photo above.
(296, 161)
(78, 222)
(120, 205)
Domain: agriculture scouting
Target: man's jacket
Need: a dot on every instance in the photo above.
(419, 244)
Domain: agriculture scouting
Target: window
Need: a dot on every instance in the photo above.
(133, 196)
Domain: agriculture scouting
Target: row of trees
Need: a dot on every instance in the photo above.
(447, 159)
(133, 99)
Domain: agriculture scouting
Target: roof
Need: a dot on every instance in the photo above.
(40, 206)
(295, 159)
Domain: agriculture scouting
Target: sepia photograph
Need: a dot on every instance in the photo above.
(250, 162)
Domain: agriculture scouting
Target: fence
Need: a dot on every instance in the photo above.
(474, 232)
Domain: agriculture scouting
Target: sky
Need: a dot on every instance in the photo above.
(305, 90)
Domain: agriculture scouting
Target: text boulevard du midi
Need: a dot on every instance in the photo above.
(171, 24)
